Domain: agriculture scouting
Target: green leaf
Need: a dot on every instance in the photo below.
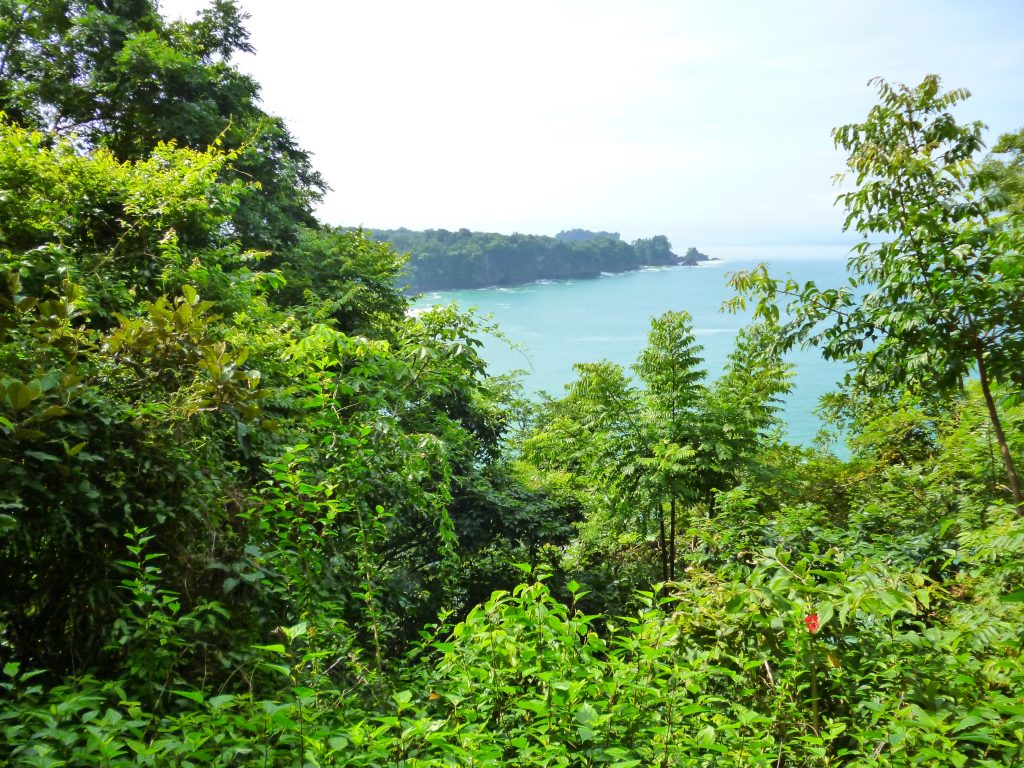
(586, 714)
(536, 706)
(296, 631)
(273, 648)
(735, 604)
(21, 396)
(195, 696)
(279, 668)
(50, 412)
(41, 456)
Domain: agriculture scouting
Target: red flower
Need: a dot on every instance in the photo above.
(811, 620)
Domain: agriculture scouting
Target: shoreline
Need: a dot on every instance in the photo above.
(413, 293)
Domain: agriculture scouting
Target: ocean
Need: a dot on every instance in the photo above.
(549, 326)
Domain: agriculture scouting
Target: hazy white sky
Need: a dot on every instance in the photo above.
(706, 121)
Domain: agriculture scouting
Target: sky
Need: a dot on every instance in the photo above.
(709, 122)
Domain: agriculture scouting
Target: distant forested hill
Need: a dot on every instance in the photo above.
(439, 259)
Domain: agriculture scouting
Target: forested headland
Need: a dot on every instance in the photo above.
(443, 260)
(254, 513)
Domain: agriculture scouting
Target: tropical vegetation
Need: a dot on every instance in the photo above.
(255, 513)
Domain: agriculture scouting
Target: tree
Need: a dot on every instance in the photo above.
(346, 276)
(1006, 166)
(121, 399)
(935, 284)
(669, 366)
(645, 454)
(150, 379)
(115, 74)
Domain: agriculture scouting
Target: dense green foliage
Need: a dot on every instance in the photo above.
(943, 287)
(116, 75)
(282, 434)
(254, 513)
(632, 454)
(439, 259)
(1006, 169)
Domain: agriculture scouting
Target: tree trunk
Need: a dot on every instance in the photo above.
(672, 543)
(997, 427)
(664, 548)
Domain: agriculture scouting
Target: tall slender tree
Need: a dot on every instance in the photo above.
(668, 446)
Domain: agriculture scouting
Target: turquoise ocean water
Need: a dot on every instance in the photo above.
(556, 324)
